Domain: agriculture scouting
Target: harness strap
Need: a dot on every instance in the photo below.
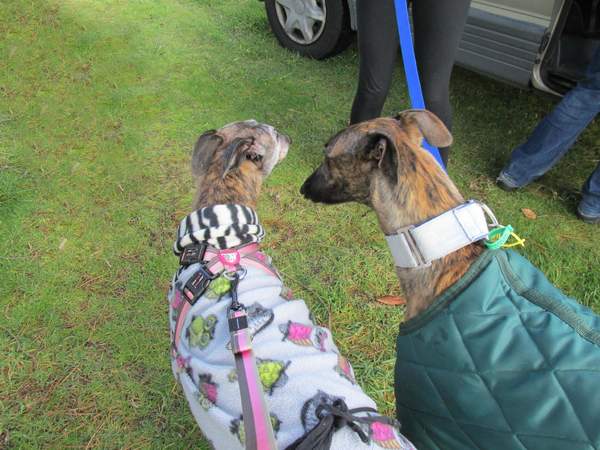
(182, 307)
(180, 319)
(250, 255)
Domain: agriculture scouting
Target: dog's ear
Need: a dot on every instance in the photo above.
(419, 123)
(377, 146)
(205, 148)
(381, 149)
(237, 151)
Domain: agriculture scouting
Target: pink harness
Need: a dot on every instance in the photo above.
(259, 432)
(217, 261)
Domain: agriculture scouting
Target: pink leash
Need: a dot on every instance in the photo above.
(257, 422)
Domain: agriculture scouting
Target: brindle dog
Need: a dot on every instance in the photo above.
(491, 343)
(381, 163)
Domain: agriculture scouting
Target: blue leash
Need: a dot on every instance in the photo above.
(410, 68)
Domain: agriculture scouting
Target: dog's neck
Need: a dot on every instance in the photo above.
(424, 192)
(241, 187)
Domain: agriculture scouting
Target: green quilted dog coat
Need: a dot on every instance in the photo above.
(501, 360)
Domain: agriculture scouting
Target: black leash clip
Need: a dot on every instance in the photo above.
(198, 284)
(237, 318)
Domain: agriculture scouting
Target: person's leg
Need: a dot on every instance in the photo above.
(378, 51)
(438, 27)
(556, 133)
(589, 207)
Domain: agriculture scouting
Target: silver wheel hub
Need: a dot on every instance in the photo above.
(302, 20)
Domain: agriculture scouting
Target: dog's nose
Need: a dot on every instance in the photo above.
(304, 189)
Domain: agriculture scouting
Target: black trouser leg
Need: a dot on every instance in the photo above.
(378, 51)
(438, 26)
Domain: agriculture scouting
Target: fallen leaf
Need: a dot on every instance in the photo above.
(529, 213)
(392, 300)
(61, 246)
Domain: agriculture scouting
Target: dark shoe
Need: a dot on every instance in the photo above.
(587, 218)
(505, 187)
(504, 183)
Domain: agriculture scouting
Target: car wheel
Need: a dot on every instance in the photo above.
(314, 28)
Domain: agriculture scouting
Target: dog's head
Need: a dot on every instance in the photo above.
(246, 145)
(376, 156)
(231, 163)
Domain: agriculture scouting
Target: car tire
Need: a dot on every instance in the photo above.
(331, 35)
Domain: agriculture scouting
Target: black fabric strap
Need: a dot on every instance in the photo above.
(333, 417)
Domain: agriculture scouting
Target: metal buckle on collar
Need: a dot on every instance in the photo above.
(489, 213)
(420, 260)
(198, 284)
(192, 254)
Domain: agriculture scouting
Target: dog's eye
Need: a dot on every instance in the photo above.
(253, 156)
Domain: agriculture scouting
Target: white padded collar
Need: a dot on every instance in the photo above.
(416, 246)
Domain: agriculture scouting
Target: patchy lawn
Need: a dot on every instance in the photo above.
(101, 102)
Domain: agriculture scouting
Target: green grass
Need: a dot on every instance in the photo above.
(100, 103)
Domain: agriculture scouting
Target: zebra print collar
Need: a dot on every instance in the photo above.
(220, 226)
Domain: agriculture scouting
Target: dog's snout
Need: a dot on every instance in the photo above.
(304, 188)
(273, 132)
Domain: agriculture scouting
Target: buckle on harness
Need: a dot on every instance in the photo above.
(192, 254)
(198, 284)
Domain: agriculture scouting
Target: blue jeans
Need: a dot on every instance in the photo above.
(555, 134)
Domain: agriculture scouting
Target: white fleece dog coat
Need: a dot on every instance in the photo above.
(299, 365)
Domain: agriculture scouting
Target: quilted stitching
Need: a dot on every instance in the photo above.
(492, 369)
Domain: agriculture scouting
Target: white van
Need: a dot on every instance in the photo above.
(545, 44)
